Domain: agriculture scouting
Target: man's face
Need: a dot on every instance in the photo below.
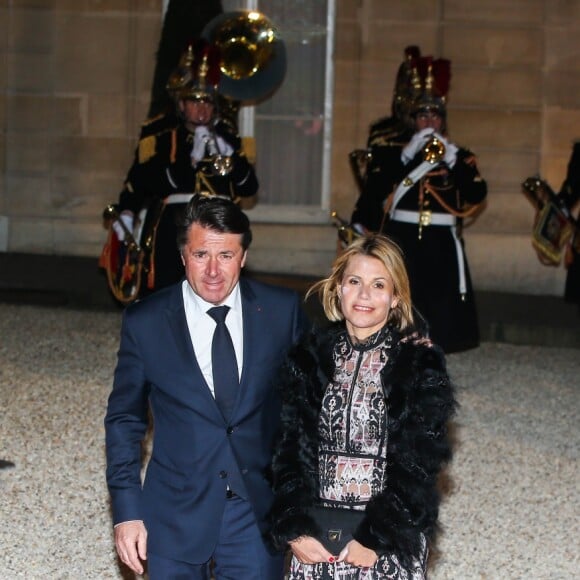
(428, 119)
(213, 262)
(196, 112)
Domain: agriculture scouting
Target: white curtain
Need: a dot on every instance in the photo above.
(289, 127)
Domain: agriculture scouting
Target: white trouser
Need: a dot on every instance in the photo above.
(178, 198)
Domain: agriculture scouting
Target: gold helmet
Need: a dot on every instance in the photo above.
(182, 74)
(404, 95)
(430, 83)
(197, 74)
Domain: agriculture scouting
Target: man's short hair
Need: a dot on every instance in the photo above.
(217, 213)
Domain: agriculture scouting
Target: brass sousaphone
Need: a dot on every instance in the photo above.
(253, 55)
(252, 65)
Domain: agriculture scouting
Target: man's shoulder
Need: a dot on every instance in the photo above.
(387, 131)
(154, 132)
(225, 124)
(466, 155)
(159, 124)
(156, 302)
(271, 296)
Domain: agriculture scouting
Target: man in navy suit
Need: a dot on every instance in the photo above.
(206, 492)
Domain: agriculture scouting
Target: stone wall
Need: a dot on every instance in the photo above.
(514, 100)
(75, 78)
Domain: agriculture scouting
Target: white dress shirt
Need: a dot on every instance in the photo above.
(202, 326)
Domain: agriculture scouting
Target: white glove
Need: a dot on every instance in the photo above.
(415, 145)
(205, 139)
(224, 148)
(450, 156)
(202, 133)
(128, 219)
(419, 141)
(201, 138)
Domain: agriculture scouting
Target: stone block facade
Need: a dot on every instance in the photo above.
(75, 81)
(513, 101)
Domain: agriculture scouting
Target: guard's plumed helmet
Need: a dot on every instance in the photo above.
(197, 74)
(430, 81)
(404, 94)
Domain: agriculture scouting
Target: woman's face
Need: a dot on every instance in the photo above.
(366, 296)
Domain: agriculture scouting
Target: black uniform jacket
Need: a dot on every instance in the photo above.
(162, 165)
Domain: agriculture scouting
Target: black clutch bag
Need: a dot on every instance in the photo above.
(337, 525)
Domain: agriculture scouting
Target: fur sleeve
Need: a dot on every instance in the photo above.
(420, 401)
(295, 461)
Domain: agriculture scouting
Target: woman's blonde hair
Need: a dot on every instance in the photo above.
(390, 255)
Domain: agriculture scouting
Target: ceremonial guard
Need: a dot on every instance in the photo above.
(419, 194)
(556, 231)
(387, 136)
(192, 150)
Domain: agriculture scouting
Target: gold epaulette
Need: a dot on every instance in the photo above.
(147, 148)
(249, 149)
(151, 128)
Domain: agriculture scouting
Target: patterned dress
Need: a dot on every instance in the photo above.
(352, 432)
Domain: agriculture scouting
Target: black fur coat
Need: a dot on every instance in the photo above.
(420, 401)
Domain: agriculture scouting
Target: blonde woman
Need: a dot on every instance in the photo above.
(366, 403)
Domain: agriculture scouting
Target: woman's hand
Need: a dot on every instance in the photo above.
(357, 555)
(310, 551)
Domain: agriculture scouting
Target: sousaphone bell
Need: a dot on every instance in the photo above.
(253, 56)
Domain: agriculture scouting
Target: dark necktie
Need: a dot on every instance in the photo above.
(223, 361)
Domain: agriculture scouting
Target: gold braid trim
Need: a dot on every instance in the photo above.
(471, 210)
(202, 185)
(173, 151)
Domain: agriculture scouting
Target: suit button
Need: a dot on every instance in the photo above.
(230, 430)
(223, 474)
(244, 471)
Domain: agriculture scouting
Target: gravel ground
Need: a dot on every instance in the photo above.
(512, 505)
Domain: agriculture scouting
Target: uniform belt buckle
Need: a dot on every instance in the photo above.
(425, 217)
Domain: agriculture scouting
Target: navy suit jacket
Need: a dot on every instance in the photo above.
(182, 498)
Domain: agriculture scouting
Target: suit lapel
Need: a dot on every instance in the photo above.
(184, 347)
(252, 323)
(178, 324)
